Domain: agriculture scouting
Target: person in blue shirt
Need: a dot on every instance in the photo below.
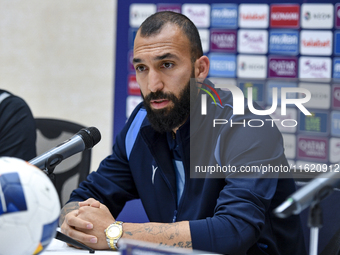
(154, 156)
(17, 127)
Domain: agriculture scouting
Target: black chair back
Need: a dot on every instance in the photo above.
(71, 171)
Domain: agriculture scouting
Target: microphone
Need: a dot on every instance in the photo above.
(86, 138)
(314, 191)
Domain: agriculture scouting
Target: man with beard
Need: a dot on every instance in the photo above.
(151, 161)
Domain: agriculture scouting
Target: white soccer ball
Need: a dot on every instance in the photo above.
(29, 208)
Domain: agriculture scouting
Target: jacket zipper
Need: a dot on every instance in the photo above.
(175, 216)
(185, 184)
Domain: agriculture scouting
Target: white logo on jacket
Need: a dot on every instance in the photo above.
(154, 169)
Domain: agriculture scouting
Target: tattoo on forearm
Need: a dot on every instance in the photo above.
(168, 231)
(66, 209)
(179, 244)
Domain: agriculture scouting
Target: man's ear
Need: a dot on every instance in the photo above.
(202, 67)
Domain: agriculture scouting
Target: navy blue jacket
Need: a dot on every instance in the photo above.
(17, 127)
(229, 215)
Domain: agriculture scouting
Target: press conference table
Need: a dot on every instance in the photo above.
(57, 247)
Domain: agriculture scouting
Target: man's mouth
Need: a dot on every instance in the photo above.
(159, 103)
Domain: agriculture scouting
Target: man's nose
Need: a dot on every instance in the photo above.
(155, 82)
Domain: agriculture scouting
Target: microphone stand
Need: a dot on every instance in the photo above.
(311, 195)
(315, 218)
(314, 223)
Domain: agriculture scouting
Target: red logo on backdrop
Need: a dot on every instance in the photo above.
(253, 16)
(133, 87)
(316, 43)
(284, 15)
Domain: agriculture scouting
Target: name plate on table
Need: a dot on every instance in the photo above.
(132, 247)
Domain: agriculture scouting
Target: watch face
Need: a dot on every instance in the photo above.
(113, 231)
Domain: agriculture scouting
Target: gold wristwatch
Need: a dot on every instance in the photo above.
(113, 234)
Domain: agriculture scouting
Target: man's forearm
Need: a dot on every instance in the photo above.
(66, 209)
(169, 234)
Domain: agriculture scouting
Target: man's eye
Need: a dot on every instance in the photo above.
(140, 68)
(168, 65)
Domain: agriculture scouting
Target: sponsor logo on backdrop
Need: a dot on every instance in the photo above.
(289, 144)
(335, 123)
(320, 95)
(199, 14)
(337, 15)
(223, 40)
(257, 88)
(284, 42)
(222, 65)
(252, 41)
(316, 123)
(284, 67)
(336, 68)
(316, 42)
(336, 97)
(139, 12)
(279, 85)
(317, 16)
(284, 15)
(133, 87)
(334, 150)
(204, 35)
(253, 15)
(315, 67)
(169, 7)
(224, 15)
(313, 148)
(337, 43)
(291, 115)
(251, 66)
(131, 103)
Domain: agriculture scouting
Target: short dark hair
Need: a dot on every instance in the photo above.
(154, 24)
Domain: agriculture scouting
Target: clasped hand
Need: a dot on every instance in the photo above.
(87, 224)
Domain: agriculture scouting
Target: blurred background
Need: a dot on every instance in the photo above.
(59, 57)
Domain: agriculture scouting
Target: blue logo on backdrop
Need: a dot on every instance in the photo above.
(337, 43)
(316, 123)
(222, 65)
(335, 123)
(284, 42)
(224, 15)
(336, 68)
(279, 85)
